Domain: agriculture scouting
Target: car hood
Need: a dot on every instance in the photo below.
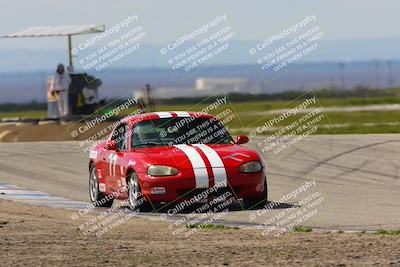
(213, 155)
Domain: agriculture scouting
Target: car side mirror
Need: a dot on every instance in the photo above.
(242, 139)
(110, 145)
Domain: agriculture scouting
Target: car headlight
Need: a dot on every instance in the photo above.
(161, 170)
(251, 166)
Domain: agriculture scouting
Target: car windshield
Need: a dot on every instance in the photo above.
(179, 130)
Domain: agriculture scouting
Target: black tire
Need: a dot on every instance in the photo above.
(98, 198)
(135, 199)
(259, 202)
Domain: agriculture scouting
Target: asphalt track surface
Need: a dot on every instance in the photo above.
(358, 177)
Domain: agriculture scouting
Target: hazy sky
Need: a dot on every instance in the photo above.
(166, 20)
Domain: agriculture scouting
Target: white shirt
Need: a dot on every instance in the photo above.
(61, 82)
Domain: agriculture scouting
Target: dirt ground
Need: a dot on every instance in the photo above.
(39, 236)
(52, 132)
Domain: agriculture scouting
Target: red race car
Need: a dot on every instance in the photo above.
(165, 157)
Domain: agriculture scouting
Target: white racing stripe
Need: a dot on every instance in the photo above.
(198, 165)
(163, 114)
(217, 164)
(182, 113)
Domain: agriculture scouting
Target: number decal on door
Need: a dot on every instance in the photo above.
(113, 162)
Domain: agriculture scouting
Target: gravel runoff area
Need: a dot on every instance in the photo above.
(40, 236)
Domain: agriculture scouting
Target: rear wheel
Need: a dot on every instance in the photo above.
(96, 197)
(135, 199)
(260, 202)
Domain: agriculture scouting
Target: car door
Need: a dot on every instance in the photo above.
(111, 167)
(119, 167)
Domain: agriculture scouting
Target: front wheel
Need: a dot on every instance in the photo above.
(135, 199)
(96, 197)
(260, 202)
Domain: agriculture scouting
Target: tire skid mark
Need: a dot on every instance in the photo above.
(349, 151)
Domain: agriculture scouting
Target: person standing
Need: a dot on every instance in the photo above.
(52, 109)
(60, 87)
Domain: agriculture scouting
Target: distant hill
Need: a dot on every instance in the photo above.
(29, 85)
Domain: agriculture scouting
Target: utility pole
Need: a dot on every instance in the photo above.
(377, 78)
(70, 52)
(149, 99)
(390, 79)
(341, 67)
(43, 84)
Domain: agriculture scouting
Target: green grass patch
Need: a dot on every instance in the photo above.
(302, 229)
(251, 114)
(24, 114)
(211, 226)
(277, 104)
(388, 232)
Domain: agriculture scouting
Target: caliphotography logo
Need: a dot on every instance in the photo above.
(212, 133)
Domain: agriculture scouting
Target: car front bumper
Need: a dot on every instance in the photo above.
(182, 186)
